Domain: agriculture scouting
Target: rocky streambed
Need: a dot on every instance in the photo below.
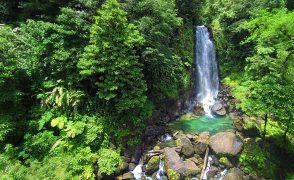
(192, 156)
(185, 155)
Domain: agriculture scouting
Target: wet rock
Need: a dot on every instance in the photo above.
(122, 168)
(234, 174)
(218, 109)
(132, 166)
(187, 147)
(192, 169)
(226, 143)
(204, 136)
(200, 147)
(137, 155)
(226, 162)
(201, 143)
(126, 159)
(212, 172)
(128, 176)
(238, 122)
(214, 161)
(173, 161)
(152, 165)
(173, 175)
(190, 136)
(156, 148)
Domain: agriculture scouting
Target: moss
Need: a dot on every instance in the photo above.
(225, 161)
(179, 142)
(173, 175)
(152, 165)
(156, 148)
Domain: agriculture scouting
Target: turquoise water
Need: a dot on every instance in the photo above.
(204, 123)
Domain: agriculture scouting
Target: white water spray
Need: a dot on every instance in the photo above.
(207, 70)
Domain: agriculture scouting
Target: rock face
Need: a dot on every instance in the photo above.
(234, 174)
(226, 143)
(218, 109)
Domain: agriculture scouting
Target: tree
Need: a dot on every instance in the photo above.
(269, 70)
(111, 65)
(159, 24)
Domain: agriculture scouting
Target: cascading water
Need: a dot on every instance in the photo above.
(207, 70)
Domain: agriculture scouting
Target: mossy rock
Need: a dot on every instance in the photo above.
(156, 148)
(152, 165)
(226, 162)
(173, 175)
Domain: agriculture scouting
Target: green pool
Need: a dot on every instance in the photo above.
(203, 123)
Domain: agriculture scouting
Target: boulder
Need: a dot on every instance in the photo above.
(201, 143)
(218, 109)
(128, 176)
(192, 169)
(226, 143)
(214, 161)
(212, 172)
(226, 162)
(234, 174)
(132, 166)
(122, 168)
(187, 147)
(152, 165)
(200, 147)
(173, 161)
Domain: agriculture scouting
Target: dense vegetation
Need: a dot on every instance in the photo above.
(81, 79)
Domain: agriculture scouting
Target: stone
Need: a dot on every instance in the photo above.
(123, 167)
(173, 175)
(200, 147)
(152, 165)
(201, 143)
(218, 109)
(156, 148)
(226, 143)
(234, 174)
(226, 162)
(128, 176)
(187, 147)
(214, 161)
(212, 172)
(132, 166)
(192, 169)
(173, 161)
(190, 136)
(204, 136)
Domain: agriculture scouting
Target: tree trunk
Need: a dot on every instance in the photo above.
(264, 130)
(285, 135)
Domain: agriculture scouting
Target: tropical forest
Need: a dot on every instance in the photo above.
(146, 89)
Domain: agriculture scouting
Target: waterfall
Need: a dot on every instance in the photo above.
(207, 70)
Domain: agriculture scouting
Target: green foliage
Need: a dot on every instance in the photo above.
(158, 23)
(110, 61)
(38, 145)
(108, 160)
(257, 161)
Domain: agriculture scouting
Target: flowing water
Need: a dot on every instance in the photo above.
(207, 85)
